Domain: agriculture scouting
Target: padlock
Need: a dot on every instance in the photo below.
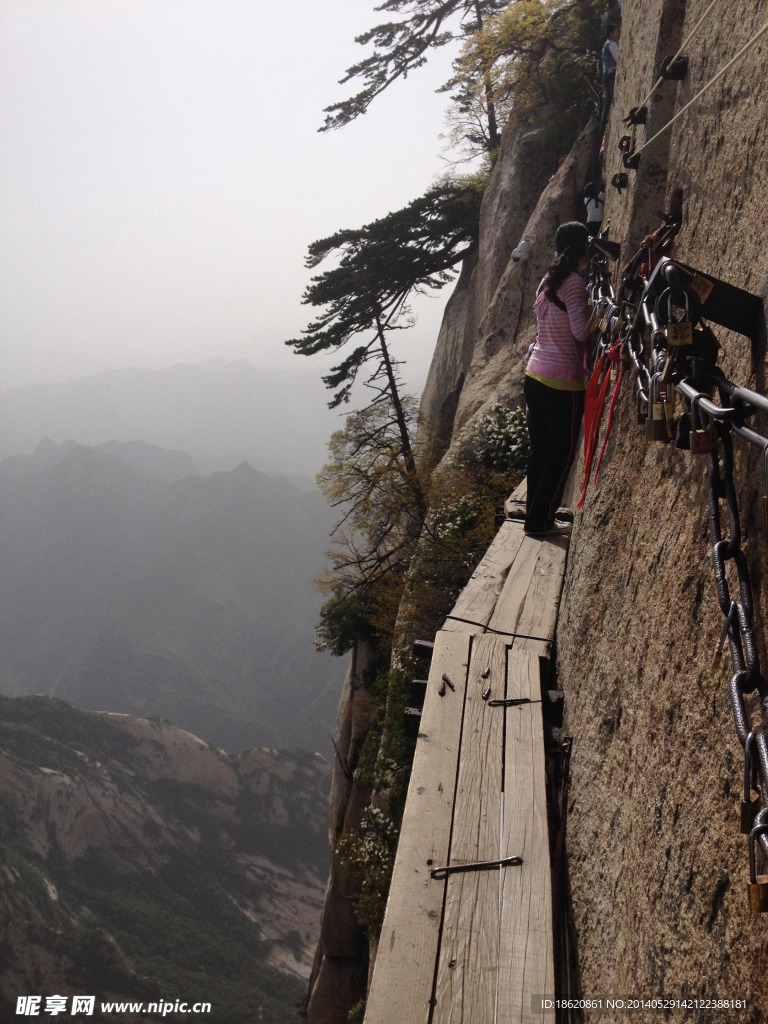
(656, 428)
(668, 395)
(750, 801)
(679, 335)
(683, 432)
(679, 332)
(703, 440)
(757, 886)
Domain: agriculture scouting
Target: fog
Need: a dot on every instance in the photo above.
(162, 176)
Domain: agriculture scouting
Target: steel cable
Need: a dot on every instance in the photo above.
(683, 45)
(737, 57)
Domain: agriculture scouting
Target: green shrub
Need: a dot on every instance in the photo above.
(368, 855)
(499, 441)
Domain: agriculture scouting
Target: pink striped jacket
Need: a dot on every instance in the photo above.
(560, 347)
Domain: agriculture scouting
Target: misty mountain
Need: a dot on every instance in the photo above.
(140, 863)
(158, 463)
(189, 599)
(221, 413)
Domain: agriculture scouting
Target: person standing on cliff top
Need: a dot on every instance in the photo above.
(554, 383)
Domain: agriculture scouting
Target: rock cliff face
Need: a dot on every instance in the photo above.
(657, 865)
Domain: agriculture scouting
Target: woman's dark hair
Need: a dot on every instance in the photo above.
(571, 241)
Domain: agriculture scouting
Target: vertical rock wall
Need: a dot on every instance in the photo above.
(339, 974)
(525, 163)
(657, 864)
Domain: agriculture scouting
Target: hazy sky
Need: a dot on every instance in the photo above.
(161, 176)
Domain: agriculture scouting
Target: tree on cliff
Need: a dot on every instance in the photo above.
(374, 542)
(402, 46)
(365, 295)
(532, 55)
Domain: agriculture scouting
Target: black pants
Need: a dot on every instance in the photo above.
(554, 420)
(608, 81)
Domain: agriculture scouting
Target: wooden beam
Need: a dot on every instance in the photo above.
(467, 966)
(477, 601)
(401, 987)
(530, 598)
(526, 964)
(514, 506)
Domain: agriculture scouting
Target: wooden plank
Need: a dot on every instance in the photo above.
(477, 601)
(514, 506)
(530, 598)
(401, 987)
(465, 988)
(526, 953)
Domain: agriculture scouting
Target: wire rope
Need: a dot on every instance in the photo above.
(683, 45)
(737, 57)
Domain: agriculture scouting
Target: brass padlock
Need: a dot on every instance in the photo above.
(703, 440)
(750, 801)
(656, 427)
(757, 886)
(656, 430)
(679, 332)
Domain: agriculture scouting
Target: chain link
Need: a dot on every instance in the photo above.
(639, 322)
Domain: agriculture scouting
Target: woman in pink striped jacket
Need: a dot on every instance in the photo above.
(555, 378)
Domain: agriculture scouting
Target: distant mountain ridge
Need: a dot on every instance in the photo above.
(220, 412)
(187, 598)
(152, 461)
(138, 862)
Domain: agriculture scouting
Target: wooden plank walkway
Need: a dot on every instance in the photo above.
(473, 947)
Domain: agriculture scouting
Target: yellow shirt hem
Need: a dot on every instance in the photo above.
(559, 385)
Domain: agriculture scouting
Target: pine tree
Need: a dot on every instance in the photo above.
(400, 47)
(365, 295)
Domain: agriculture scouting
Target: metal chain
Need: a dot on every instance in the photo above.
(620, 320)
